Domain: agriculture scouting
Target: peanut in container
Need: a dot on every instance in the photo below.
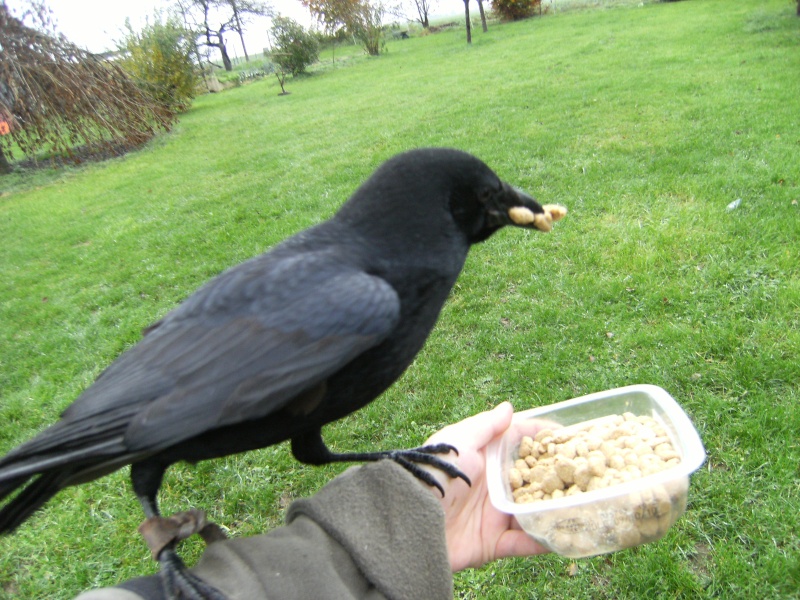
(598, 473)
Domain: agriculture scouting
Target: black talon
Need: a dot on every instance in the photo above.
(438, 449)
(420, 474)
(426, 455)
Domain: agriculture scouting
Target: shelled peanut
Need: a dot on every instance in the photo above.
(589, 456)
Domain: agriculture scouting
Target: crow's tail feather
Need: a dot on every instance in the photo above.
(29, 500)
(9, 485)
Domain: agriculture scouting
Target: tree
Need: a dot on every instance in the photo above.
(360, 18)
(242, 10)
(280, 73)
(294, 47)
(55, 96)
(423, 8)
(469, 23)
(483, 16)
(332, 14)
(160, 59)
(211, 19)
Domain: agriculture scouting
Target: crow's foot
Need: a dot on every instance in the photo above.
(426, 455)
(162, 534)
(159, 532)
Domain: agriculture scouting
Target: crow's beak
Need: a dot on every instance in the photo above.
(519, 209)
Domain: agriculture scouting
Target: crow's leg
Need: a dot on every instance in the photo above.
(310, 448)
(162, 535)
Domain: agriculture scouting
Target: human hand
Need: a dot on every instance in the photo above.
(477, 533)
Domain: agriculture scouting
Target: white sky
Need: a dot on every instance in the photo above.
(95, 24)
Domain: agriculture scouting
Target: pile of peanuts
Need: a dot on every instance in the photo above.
(564, 461)
(589, 456)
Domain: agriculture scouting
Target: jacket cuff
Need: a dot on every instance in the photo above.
(392, 526)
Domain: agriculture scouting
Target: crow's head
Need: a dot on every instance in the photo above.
(481, 203)
(424, 190)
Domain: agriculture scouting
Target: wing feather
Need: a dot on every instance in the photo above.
(240, 348)
(247, 367)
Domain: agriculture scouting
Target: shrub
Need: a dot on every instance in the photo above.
(159, 58)
(294, 47)
(513, 10)
(367, 28)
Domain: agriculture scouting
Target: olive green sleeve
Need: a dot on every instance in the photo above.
(372, 533)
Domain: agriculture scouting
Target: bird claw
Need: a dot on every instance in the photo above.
(411, 459)
(160, 532)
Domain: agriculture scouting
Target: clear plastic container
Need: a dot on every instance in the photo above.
(612, 518)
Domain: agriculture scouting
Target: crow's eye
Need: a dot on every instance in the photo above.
(486, 194)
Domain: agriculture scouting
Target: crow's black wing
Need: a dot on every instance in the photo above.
(242, 348)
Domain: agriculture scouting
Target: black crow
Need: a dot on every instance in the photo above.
(280, 345)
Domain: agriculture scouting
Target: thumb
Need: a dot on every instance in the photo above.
(484, 427)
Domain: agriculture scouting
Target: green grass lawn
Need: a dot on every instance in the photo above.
(645, 121)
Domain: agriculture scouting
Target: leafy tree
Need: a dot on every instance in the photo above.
(360, 18)
(55, 96)
(333, 14)
(294, 47)
(160, 59)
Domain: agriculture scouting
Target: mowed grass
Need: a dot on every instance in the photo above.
(646, 121)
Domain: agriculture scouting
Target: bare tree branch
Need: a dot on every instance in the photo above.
(211, 19)
(55, 96)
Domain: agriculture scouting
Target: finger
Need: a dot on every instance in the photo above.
(479, 429)
(517, 543)
(485, 426)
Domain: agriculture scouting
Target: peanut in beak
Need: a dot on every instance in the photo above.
(522, 216)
